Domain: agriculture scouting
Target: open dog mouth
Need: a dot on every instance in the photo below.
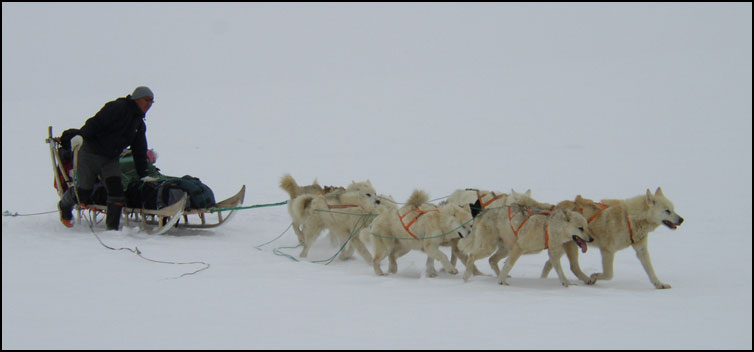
(580, 242)
(669, 224)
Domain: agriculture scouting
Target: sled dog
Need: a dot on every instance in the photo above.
(617, 224)
(478, 200)
(418, 225)
(288, 184)
(520, 230)
(341, 212)
(482, 242)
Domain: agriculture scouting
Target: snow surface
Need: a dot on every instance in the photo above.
(603, 100)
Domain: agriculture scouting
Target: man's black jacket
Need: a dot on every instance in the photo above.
(119, 124)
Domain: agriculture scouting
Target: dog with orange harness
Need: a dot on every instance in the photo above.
(418, 225)
(523, 227)
(616, 225)
(343, 212)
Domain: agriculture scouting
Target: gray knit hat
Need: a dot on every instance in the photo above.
(141, 92)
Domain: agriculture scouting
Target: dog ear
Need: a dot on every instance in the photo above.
(475, 208)
(650, 197)
(658, 192)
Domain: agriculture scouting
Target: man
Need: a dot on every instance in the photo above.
(119, 124)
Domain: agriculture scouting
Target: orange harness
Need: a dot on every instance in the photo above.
(630, 230)
(495, 197)
(529, 214)
(341, 206)
(329, 189)
(604, 207)
(421, 212)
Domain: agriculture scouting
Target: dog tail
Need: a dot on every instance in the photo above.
(417, 198)
(288, 184)
(302, 205)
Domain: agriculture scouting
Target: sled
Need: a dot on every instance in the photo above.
(153, 221)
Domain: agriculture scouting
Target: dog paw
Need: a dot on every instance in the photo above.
(453, 271)
(565, 283)
(661, 286)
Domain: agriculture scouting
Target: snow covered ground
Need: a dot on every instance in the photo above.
(603, 100)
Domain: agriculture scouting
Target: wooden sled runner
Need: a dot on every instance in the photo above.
(153, 221)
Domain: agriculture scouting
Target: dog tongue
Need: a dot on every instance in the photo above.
(581, 243)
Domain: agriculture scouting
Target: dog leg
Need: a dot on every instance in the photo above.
(455, 252)
(496, 257)
(546, 269)
(515, 253)
(362, 249)
(346, 253)
(435, 253)
(470, 259)
(311, 232)
(607, 266)
(393, 264)
(397, 252)
(299, 233)
(642, 252)
(431, 271)
(379, 253)
(572, 251)
(555, 256)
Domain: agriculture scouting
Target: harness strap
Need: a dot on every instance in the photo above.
(529, 214)
(603, 206)
(630, 229)
(547, 234)
(329, 189)
(341, 206)
(495, 197)
(407, 227)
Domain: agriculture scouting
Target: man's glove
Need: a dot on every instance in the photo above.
(149, 179)
(76, 142)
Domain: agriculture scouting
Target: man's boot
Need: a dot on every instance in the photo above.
(66, 214)
(65, 207)
(113, 215)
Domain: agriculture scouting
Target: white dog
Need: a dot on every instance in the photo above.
(341, 212)
(617, 224)
(516, 208)
(289, 184)
(418, 226)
